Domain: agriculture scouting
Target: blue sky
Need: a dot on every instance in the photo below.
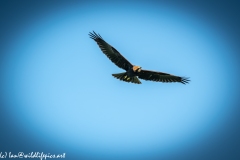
(60, 89)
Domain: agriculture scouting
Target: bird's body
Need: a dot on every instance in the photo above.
(130, 75)
(133, 72)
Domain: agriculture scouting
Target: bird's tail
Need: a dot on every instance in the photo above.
(126, 78)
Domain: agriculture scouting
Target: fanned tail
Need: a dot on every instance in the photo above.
(126, 78)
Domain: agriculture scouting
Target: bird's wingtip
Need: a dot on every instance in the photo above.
(94, 35)
(185, 80)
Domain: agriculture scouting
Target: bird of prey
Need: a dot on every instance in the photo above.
(133, 72)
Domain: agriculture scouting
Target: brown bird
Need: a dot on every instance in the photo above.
(133, 72)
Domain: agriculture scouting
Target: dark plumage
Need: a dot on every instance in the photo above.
(132, 72)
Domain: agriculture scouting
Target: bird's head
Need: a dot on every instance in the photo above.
(137, 68)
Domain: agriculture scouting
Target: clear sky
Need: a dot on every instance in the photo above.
(60, 88)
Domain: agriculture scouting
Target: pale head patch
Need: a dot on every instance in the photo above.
(135, 68)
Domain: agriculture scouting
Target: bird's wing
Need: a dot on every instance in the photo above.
(161, 77)
(111, 52)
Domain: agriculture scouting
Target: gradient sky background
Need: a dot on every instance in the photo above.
(58, 95)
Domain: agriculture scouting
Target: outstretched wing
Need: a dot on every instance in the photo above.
(111, 52)
(161, 77)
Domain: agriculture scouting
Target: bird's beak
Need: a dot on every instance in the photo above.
(139, 70)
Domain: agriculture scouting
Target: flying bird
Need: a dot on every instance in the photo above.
(133, 72)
